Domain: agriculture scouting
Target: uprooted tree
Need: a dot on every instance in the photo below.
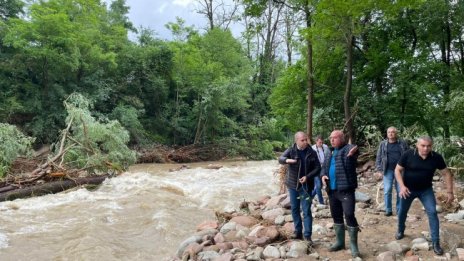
(87, 147)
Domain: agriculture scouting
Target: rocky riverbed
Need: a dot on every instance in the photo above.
(260, 230)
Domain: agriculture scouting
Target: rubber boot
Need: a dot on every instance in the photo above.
(353, 232)
(340, 238)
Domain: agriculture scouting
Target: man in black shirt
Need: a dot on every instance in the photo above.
(414, 173)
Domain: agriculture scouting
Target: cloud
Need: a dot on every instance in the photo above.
(182, 3)
(162, 8)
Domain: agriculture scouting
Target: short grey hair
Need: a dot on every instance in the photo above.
(426, 138)
(300, 133)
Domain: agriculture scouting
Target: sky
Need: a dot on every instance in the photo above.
(154, 14)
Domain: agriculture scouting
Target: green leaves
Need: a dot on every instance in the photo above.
(13, 143)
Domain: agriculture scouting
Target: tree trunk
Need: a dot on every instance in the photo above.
(51, 187)
(348, 86)
(309, 120)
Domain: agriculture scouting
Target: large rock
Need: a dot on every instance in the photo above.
(274, 202)
(207, 225)
(386, 256)
(207, 255)
(187, 242)
(224, 257)
(272, 214)
(362, 197)
(229, 226)
(255, 255)
(297, 249)
(271, 252)
(460, 252)
(245, 221)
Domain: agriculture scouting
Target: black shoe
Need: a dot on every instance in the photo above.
(388, 214)
(437, 248)
(308, 240)
(399, 235)
(296, 236)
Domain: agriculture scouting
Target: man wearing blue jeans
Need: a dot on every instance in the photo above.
(388, 154)
(303, 167)
(414, 173)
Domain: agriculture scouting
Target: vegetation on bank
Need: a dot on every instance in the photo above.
(70, 76)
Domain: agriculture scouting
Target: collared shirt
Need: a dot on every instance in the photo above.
(418, 172)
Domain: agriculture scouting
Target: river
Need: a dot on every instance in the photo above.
(143, 214)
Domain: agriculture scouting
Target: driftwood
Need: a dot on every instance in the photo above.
(50, 187)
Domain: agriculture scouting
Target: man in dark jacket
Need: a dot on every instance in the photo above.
(388, 154)
(339, 175)
(303, 166)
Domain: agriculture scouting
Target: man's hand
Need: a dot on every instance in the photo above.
(291, 161)
(404, 192)
(450, 198)
(352, 151)
(324, 180)
(302, 180)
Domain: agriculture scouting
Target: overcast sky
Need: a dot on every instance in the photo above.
(154, 14)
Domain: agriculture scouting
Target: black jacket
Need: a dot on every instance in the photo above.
(312, 168)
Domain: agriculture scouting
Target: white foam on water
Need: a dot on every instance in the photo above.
(142, 202)
(222, 189)
(160, 218)
(3, 241)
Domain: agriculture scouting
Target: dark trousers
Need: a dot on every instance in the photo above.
(343, 203)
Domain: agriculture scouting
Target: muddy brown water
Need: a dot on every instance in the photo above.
(143, 214)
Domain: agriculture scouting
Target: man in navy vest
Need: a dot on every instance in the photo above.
(340, 177)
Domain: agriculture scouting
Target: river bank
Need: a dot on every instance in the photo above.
(259, 230)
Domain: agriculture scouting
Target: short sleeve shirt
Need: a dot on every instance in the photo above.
(418, 172)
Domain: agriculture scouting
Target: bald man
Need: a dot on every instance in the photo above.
(339, 175)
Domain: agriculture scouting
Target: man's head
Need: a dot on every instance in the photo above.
(424, 145)
(392, 134)
(301, 140)
(319, 140)
(337, 139)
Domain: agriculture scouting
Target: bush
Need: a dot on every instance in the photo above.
(13, 143)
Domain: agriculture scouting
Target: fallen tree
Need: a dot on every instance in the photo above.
(49, 187)
(88, 151)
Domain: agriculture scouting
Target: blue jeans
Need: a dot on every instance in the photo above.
(388, 180)
(318, 190)
(301, 198)
(427, 198)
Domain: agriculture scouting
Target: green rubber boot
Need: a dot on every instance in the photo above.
(340, 240)
(353, 232)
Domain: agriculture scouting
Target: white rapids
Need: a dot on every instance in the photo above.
(143, 214)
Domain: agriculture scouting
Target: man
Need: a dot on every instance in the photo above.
(303, 166)
(322, 152)
(388, 154)
(414, 173)
(340, 176)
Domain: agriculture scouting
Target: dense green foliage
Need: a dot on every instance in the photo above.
(13, 143)
(403, 62)
(96, 145)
